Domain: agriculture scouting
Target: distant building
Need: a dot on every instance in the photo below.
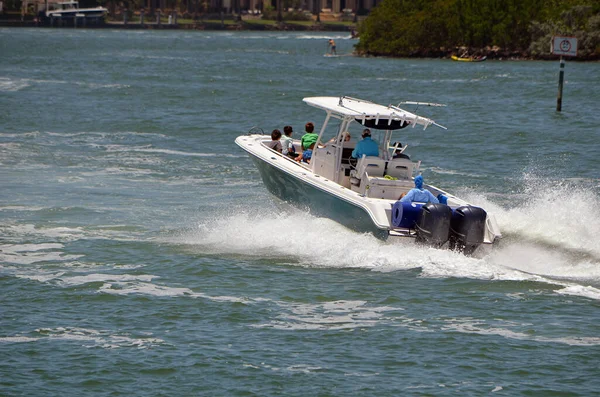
(229, 6)
(333, 6)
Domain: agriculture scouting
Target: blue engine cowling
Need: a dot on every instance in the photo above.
(467, 228)
(431, 221)
(405, 214)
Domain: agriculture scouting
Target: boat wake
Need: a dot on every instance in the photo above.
(554, 216)
(547, 240)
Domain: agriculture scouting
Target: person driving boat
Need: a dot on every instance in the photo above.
(366, 146)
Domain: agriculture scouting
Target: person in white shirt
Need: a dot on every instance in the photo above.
(287, 142)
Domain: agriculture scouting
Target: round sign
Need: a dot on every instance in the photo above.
(565, 45)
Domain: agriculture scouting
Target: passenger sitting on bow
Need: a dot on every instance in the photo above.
(419, 194)
(287, 142)
(275, 143)
(306, 155)
(309, 136)
(366, 146)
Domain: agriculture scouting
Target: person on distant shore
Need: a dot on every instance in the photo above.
(331, 46)
(366, 146)
(287, 142)
(419, 194)
(275, 144)
(309, 136)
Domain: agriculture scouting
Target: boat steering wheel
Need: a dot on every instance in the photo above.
(352, 161)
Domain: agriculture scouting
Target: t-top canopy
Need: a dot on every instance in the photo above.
(368, 113)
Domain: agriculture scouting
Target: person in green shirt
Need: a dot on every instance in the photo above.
(309, 136)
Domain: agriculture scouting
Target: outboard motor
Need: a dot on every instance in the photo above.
(467, 229)
(433, 226)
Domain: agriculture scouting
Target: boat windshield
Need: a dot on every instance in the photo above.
(335, 133)
(68, 5)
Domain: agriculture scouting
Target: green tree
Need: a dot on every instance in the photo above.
(421, 27)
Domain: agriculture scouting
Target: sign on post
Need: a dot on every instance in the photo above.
(564, 46)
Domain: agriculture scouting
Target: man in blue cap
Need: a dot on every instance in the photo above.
(419, 194)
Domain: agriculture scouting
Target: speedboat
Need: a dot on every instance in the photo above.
(363, 194)
(70, 9)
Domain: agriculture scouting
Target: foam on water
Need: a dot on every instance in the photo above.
(86, 337)
(19, 232)
(479, 327)
(12, 85)
(559, 215)
(333, 315)
(149, 149)
(129, 287)
(27, 254)
(580, 290)
(102, 277)
(93, 135)
(545, 240)
(61, 233)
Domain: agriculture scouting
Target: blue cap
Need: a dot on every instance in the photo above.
(419, 182)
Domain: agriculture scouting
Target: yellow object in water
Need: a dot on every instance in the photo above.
(468, 59)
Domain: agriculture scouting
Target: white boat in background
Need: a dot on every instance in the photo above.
(70, 9)
(364, 194)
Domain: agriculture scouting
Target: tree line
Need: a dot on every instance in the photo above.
(496, 28)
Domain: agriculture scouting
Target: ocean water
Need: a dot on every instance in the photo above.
(140, 253)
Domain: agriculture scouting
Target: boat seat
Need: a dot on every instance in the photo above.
(400, 168)
(372, 165)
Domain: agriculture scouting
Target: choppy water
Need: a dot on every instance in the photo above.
(141, 255)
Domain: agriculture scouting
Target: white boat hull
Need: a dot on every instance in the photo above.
(296, 183)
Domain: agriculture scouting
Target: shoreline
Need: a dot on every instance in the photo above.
(493, 53)
(199, 25)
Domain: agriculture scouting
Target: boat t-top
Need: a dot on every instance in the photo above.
(363, 194)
